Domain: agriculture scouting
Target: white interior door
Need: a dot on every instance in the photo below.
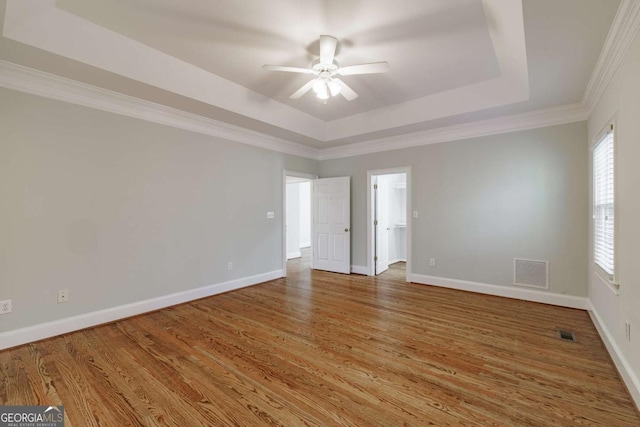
(382, 225)
(331, 235)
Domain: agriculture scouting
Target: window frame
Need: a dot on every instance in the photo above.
(609, 278)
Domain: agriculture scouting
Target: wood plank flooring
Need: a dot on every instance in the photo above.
(322, 349)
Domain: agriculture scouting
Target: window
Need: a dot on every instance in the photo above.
(603, 203)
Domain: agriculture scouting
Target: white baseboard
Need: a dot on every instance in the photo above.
(70, 324)
(393, 261)
(358, 269)
(292, 255)
(626, 371)
(305, 245)
(504, 291)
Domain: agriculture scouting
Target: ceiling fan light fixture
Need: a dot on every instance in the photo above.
(326, 68)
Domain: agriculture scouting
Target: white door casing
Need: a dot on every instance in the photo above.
(331, 236)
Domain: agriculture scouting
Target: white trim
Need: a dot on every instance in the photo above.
(35, 82)
(359, 269)
(624, 368)
(534, 119)
(504, 291)
(604, 278)
(292, 255)
(624, 29)
(57, 327)
(370, 174)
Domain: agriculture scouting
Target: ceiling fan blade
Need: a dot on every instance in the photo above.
(372, 68)
(328, 46)
(287, 69)
(345, 90)
(304, 89)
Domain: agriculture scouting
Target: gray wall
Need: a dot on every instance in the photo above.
(120, 210)
(484, 201)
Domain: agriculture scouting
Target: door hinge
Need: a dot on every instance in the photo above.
(375, 258)
(375, 186)
(375, 222)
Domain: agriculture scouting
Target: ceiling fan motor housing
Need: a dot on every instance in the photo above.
(320, 68)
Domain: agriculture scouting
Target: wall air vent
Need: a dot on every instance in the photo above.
(533, 273)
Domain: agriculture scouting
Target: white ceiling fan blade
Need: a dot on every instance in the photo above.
(328, 46)
(372, 68)
(345, 90)
(304, 89)
(287, 69)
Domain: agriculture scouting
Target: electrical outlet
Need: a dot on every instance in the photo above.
(271, 215)
(63, 295)
(229, 266)
(627, 331)
(5, 307)
(432, 262)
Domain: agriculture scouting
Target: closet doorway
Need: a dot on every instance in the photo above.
(389, 233)
(297, 191)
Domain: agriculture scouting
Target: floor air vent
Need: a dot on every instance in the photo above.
(529, 272)
(567, 335)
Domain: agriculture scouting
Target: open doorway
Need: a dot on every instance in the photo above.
(297, 253)
(389, 230)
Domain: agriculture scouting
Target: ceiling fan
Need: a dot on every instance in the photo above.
(326, 69)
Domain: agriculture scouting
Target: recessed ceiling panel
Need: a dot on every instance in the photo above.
(431, 46)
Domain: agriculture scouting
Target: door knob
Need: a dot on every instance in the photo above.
(346, 230)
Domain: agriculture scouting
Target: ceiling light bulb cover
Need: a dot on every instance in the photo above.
(324, 95)
(321, 89)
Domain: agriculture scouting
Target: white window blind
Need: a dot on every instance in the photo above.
(603, 203)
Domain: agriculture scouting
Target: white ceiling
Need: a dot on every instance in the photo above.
(452, 61)
(235, 41)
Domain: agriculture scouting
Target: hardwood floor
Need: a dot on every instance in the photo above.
(324, 349)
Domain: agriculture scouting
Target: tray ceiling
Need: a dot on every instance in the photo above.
(452, 61)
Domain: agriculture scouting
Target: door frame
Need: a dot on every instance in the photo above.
(370, 228)
(285, 174)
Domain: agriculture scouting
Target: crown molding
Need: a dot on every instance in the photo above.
(511, 123)
(29, 80)
(35, 82)
(624, 29)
